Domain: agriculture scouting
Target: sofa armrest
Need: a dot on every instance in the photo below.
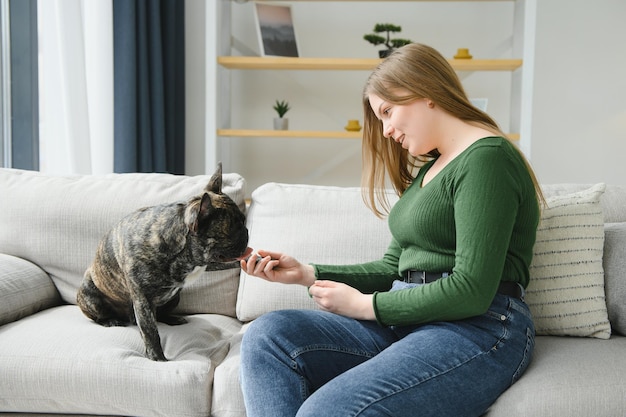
(24, 289)
(614, 265)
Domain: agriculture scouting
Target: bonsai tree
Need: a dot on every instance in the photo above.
(281, 108)
(391, 44)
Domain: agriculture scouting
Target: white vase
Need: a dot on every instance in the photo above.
(281, 123)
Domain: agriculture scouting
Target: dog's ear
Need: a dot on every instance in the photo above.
(215, 183)
(204, 211)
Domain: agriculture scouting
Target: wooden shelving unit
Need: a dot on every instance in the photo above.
(320, 134)
(521, 84)
(352, 64)
(337, 64)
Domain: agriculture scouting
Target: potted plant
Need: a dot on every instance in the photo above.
(281, 122)
(391, 44)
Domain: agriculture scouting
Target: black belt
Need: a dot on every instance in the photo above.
(509, 288)
(422, 277)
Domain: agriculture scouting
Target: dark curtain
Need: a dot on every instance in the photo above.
(24, 101)
(149, 86)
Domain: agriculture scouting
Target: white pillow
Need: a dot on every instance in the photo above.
(566, 291)
(24, 289)
(315, 224)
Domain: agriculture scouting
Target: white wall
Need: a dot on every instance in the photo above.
(195, 57)
(579, 115)
(579, 109)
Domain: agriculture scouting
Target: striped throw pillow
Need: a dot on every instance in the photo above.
(566, 290)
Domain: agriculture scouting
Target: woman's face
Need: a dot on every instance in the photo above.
(411, 125)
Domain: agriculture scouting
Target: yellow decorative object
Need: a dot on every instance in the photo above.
(462, 53)
(353, 126)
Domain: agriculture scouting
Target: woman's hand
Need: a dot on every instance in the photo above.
(277, 267)
(340, 298)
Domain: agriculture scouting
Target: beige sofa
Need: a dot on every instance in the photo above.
(53, 360)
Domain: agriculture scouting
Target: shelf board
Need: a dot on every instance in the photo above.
(317, 134)
(285, 63)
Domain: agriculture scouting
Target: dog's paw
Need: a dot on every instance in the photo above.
(112, 323)
(156, 356)
(173, 320)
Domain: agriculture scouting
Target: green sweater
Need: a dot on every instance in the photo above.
(477, 218)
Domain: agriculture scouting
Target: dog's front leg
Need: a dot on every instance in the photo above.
(145, 315)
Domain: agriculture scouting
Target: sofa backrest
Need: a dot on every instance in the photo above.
(327, 225)
(56, 223)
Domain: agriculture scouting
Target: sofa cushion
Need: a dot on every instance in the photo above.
(566, 289)
(316, 224)
(569, 376)
(56, 222)
(227, 394)
(614, 263)
(58, 361)
(24, 289)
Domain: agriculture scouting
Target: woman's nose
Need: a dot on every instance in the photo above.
(387, 130)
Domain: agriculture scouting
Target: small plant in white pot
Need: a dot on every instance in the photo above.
(281, 122)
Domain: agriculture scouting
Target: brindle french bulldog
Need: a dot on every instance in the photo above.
(141, 264)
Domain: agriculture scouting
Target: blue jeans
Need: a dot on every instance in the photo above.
(314, 363)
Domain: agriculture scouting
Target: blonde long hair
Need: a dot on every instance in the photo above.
(415, 71)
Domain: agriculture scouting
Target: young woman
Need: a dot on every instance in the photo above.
(438, 326)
